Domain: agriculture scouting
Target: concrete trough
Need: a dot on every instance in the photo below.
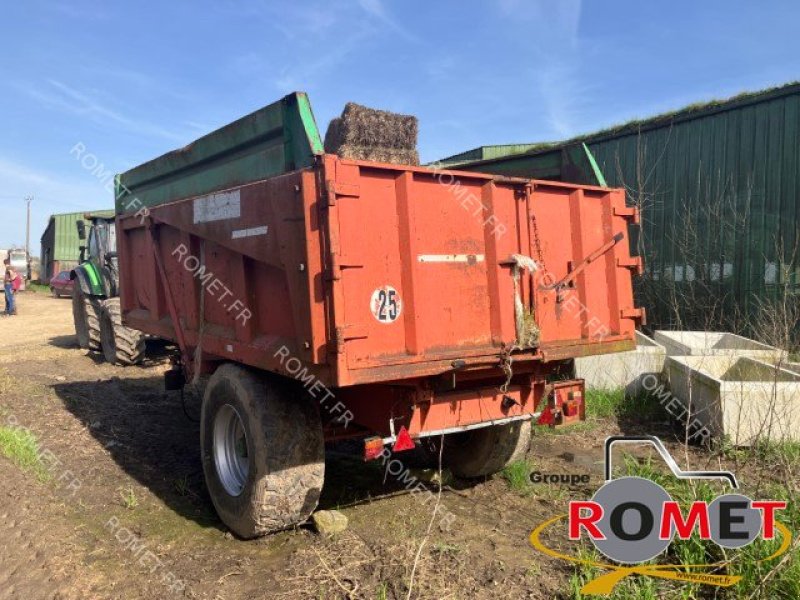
(740, 397)
(623, 370)
(715, 343)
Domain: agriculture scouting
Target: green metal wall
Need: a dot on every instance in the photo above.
(720, 198)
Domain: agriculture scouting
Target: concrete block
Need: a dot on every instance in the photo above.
(715, 343)
(623, 369)
(740, 397)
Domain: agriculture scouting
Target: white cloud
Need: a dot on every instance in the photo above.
(60, 96)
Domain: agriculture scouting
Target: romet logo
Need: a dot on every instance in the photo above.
(631, 520)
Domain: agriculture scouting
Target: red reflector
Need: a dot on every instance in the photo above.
(546, 418)
(404, 441)
(372, 448)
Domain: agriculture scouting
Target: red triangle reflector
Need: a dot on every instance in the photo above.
(547, 417)
(403, 442)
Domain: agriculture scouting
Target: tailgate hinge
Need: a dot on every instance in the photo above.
(636, 314)
(344, 334)
(337, 188)
(635, 263)
(337, 263)
(630, 213)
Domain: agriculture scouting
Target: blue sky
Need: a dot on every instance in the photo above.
(133, 80)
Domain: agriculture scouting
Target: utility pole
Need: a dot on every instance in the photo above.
(28, 200)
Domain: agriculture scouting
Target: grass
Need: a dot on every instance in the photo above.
(129, 499)
(602, 405)
(22, 448)
(518, 476)
(181, 485)
(756, 579)
(608, 404)
(38, 288)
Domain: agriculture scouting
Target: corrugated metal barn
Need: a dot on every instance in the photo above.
(60, 243)
(718, 185)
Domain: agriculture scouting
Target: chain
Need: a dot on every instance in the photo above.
(506, 359)
(506, 362)
(536, 241)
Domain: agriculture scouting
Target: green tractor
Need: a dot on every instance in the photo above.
(95, 297)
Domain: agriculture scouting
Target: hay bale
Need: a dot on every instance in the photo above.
(378, 154)
(363, 133)
(333, 137)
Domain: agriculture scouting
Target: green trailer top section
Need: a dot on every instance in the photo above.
(276, 139)
(572, 162)
(65, 233)
(487, 153)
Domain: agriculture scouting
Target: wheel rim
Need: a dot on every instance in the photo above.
(230, 450)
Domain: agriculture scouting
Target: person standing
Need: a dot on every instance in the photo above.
(11, 283)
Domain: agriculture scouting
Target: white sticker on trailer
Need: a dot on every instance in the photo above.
(385, 304)
(451, 258)
(217, 207)
(253, 231)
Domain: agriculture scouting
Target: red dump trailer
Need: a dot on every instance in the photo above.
(331, 298)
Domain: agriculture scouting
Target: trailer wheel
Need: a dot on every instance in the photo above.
(85, 314)
(485, 451)
(121, 345)
(263, 451)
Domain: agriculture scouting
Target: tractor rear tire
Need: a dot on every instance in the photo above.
(121, 345)
(485, 451)
(263, 451)
(86, 316)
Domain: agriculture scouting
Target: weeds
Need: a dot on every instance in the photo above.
(608, 404)
(518, 476)
(22, 448)
(37, 287)
(129, 499)
(780, 580)
(181, 485)
(383, 592)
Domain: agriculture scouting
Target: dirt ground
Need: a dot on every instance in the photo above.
(124, 512)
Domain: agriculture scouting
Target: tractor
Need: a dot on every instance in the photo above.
(95, 297)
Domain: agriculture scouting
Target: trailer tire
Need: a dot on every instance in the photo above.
(484, 451)
(85, 315)
(262, 449)
(121, 345)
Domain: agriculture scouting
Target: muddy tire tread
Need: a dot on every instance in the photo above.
(129, 344)
(288, 468)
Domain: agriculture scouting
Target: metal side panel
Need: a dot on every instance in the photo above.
(276, 139)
